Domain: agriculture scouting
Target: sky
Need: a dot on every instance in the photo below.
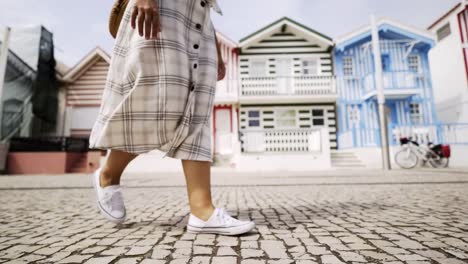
(79, 26)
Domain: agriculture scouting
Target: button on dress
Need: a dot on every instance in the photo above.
(159, 93)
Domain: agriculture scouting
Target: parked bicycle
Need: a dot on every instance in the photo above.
(412, 152)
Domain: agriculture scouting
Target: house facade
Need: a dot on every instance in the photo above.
(225, 137)
(83, 86)
(449, 64)
(287, 89)
(409, 100)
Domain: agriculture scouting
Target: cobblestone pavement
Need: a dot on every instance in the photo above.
(332, 222)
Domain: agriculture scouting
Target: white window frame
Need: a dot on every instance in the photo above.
(348, 66)
(323, 117)
(277, 118)
(259, 118)
(413, 64)
(416, 117)
(317, 60)
(254, 61)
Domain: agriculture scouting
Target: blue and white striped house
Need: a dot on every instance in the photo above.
(407, 84)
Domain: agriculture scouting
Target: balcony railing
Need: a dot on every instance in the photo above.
(288, 85)
(282, 140)
(396, 80)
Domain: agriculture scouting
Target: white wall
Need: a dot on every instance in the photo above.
(83, 117)
(448, 75)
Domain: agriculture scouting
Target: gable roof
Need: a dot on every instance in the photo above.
(446, 15)
(278, 24)
(87, 61)
(385, 24)
(227, 41)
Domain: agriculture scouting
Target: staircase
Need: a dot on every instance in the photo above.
(345, 160)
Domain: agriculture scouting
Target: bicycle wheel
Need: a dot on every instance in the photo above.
(439, 162)
(406, 159)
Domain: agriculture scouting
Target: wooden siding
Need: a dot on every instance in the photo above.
(303, 114)
(284, 43)
(87, 89)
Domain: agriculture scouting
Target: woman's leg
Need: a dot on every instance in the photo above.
(198, 176)
(115, 165)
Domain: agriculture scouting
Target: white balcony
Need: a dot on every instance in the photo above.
(397, 84)
(284, 140)
(288, 89)
(227, 91)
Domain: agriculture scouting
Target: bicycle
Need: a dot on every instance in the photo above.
(411, 152)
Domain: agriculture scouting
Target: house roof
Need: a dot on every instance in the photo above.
(385, 24)
(456, 7)
(226, 40)
(87, 61)
(278, 23)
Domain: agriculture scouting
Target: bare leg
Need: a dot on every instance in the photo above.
(115, 165)
(198, 177)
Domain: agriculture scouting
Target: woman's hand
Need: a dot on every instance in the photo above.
(221, 69)
(146, 12)
(221, 66)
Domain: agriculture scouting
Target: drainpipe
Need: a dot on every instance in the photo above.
(3, 65)
(379, 82)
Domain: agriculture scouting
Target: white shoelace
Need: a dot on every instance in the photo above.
(113, 198)
(223, 214)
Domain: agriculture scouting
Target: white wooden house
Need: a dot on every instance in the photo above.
(83, 86)
(288, 92)
(449, 64)
(225, 138)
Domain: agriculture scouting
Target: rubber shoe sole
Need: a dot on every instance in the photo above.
(230, 231)
(101, 209)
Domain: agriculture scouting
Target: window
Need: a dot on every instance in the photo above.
(318, 117)
(348, 68)
(285, 118)
(254, 118)
(353, 115)
(413, 63)
(415, 113)
(443, 32)
(258, 68)
(310, 66)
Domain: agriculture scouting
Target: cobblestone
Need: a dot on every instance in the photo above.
(425, 222)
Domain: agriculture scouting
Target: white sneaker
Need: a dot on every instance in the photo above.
(109, 200)
(220, 222)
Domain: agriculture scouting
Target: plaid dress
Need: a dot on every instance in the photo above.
(159, 93)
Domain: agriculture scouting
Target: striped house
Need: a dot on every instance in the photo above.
(287, 88)
(407, 85)
(226, 106)
(84, 84)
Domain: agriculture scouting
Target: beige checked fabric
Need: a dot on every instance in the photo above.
(159, 93)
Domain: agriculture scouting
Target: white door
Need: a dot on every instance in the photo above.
(284, 75)
(223, 131)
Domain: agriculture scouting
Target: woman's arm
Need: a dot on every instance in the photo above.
(221, 67)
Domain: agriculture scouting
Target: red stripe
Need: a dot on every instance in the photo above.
(462, 33)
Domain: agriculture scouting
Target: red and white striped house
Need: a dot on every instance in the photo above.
(83, 85)
(449, 64)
